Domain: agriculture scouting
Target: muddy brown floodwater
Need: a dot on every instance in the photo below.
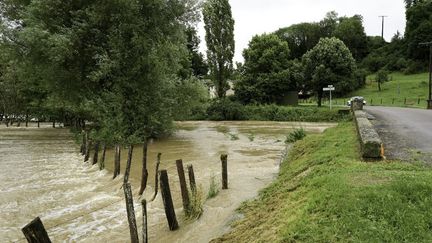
(42, 174)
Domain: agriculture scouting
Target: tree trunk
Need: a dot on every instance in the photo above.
(144, 174)
(320, 94)
(130, 213)
(379, 86)
(156, 177)
(87, 154)
(53, 124)
(128, 164)
(117, 161)
(35, 232)
(26, 120)
(102, 162)
(96, 153)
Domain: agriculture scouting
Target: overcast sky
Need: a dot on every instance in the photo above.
(264, 16)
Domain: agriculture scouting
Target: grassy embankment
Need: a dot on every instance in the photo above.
(394, 92)
(325, 193)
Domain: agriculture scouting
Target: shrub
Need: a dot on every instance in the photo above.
(213, 188)
(294, 136)
(225, 110)
(196, 204)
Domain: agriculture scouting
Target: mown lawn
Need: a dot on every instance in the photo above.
(325, 193)
(402, 90)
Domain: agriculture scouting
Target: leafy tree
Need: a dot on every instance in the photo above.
(219, 27)
(381, 77)
(300, 37)
(351, 32)
(268, 72)
(329, 62)
(198, 64)
(418, 29)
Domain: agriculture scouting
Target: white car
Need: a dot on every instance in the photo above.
(356, 98)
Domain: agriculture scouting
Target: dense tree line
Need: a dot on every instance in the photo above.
(128, 67)
(301, 57)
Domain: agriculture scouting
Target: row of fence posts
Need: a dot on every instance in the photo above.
(36, 233)
(406, 101)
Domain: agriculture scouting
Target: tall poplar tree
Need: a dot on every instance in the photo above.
(219, 27)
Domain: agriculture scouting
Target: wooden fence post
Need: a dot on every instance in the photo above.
(405, 102)
(167, 200)
(183, 186)
(117, 161)
(102, 162)
(144, 225)
(224, 159)
(191, 177)
(128, 164)
(130, 213)
(393, 101)
(96, 153)
(156, 177)
(35, 232)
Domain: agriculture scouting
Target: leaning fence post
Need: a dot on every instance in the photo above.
(224, 160)
(167, 201)
(183, 185)
(35, 232)
(130, 213)
(191, 177)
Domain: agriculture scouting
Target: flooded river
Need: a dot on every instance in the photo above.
(43, 174)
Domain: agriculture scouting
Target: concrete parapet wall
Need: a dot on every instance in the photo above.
(371, 144)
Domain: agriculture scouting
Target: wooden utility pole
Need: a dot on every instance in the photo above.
(382, 27)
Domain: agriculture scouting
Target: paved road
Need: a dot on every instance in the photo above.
(406, 133)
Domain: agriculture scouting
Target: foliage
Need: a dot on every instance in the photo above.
(325, 193)
(225, 110)
(114, 64)
(352, 33)
(296, 135)
(213, 188)
(191, 97)
(329, 62)
(198, 64)
(381, 77)
(418, 29)
(196, 204)
(219, 27)
(268, 74)
(300, 37)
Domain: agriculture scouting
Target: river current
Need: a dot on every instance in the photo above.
(42, 174)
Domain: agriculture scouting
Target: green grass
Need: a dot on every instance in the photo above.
(393, 93)
(325, 193)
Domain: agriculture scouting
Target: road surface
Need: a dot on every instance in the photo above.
(406, 133)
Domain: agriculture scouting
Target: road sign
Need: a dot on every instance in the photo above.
(330, 88)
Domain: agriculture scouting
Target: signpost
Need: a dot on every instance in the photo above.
(330, 88)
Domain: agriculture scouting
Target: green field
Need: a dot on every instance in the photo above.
(402, 90)
(325, 193)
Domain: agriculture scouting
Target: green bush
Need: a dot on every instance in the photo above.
(296, 135)
(213, 188)
(225, 110)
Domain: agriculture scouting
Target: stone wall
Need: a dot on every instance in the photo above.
(371, 144)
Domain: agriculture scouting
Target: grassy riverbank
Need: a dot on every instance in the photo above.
(325, 193)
